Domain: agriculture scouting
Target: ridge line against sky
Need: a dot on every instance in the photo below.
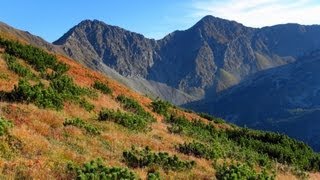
(153, 19)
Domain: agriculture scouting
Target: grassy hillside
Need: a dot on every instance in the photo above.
(59, 120)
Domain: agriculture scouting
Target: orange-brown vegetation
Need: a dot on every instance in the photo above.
(46, 145)
(41, 146)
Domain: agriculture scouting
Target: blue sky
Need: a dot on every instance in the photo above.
(154, 19)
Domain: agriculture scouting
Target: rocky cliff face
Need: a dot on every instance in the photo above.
(211, 56)
(123, 55)
(128, 53)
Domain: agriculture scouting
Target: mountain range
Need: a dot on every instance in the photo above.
(210, 57)
(197, 67)
(208, 67)
(62, 120)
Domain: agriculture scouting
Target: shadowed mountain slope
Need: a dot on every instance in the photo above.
(284, 99)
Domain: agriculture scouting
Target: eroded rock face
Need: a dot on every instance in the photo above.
(128, 53)
(211, 56)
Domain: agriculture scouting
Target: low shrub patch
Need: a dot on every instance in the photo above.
(61, 88)
(277, 146)
(86, 105)
(211, 118)
(245, 144)
(198, 149)
(38, 94)
(77, 122)
(153, 175)
(5, 125)
(4, 76)
(16, 67)
(145, 157)
(128, 120)
(65, 86)
(195, 128)
(36, 57)
(241, 171)
(161, 107)
(96, 169)
(102, 87)
(134, 107)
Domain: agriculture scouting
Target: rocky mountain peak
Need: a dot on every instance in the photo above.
(212, 20)
(91, 22)
(205, 59)
(219, 28)
(87, 27)
(127, 52)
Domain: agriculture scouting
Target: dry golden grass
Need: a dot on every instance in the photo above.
(8, 79)
(286, 176)
(314, 176)
(8, 34)
(74, 110)
(47, 146)
(33, 143)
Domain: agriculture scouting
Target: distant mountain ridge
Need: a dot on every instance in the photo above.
(210, 57)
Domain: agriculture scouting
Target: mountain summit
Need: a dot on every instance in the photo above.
(211, 56)
(114, 46)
